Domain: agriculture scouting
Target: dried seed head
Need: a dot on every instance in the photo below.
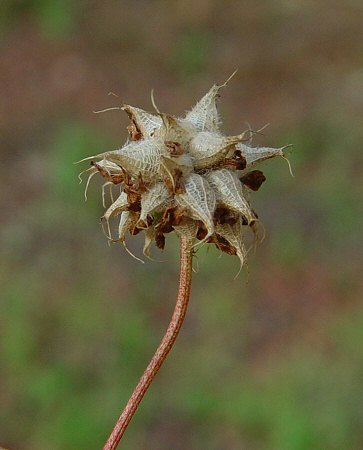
(183, 175)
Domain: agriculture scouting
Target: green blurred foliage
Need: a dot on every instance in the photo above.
(191, 53)
(56, 19)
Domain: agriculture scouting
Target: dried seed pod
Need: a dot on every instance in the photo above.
(128, 220)
(118, 206)
(141, 158)
(199, 200)
(145, 123)
(255, 155)
(229, 193)
(107, 169)
(155, 199)
(209, 149)
(204, 115)
(127, 223)
(233, 234)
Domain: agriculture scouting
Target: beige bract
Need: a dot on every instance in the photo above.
(182, 174)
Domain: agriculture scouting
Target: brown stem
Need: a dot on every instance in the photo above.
(185, 280)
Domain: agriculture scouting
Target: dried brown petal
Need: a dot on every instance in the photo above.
(253, 179)
(160, 240)
(235, 162)
(223, 215)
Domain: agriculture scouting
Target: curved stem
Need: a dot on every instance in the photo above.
(186, 256)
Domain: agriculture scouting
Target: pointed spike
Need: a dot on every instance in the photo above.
(89, 158)
(255, 155)
(286, 159)
(131, 254)
(106, 232)
(107, 109)
(153, 101)
(108, 183)
(289, 165)
(111, 193)
(87, 184)
(90, 169)
(228, 79)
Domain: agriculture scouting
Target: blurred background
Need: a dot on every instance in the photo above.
(270, 361)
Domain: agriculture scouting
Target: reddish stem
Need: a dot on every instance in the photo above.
(185, 280)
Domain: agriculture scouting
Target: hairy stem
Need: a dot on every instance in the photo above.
(185, 280)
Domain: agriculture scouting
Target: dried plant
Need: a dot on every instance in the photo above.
(180, 174)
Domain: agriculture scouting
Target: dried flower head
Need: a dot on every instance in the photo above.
(182, 174)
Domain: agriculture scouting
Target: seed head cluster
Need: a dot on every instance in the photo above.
(182, 174)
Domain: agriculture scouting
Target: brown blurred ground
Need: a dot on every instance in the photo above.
(273, 360)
